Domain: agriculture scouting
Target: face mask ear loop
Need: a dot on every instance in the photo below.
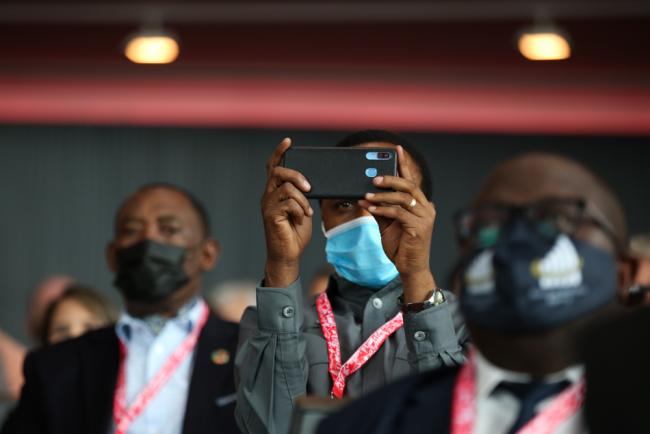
(322, 228)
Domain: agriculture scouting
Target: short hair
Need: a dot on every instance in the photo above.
(382, 136)
(89, 298)
(196, 204)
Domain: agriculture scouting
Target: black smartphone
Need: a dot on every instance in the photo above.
(344, 173)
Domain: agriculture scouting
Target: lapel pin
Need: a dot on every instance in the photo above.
(220, 356)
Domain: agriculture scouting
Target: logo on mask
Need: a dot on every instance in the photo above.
(560, 268)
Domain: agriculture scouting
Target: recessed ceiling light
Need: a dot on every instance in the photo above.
(152, 47)
(544, 42)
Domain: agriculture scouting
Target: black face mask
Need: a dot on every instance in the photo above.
(526, 283)
(149, 272)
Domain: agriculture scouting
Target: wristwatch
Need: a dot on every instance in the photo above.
(436, 297)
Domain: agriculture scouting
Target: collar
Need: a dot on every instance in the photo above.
(355, 297)
(488, 376)
(185, 320)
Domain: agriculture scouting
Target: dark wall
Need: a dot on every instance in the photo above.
(60, 187)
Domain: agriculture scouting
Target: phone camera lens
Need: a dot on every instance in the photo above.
(384, 155)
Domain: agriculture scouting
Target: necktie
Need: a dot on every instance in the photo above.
(529, 396)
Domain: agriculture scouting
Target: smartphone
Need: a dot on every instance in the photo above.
(344, 173)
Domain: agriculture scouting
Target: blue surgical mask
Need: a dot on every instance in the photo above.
(354, 250)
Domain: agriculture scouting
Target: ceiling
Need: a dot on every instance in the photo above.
(466, 47)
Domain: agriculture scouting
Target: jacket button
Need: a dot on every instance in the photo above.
(377, 303)
(288, 311)
(419, 335)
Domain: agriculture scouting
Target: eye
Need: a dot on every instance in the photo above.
(126, 231)
(344, 204)
(169, 231)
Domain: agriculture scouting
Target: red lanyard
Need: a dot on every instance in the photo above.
(123, 416)
(565, 405)
(338, 372)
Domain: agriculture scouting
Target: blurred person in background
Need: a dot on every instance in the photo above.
(383, 293)
(45, 293)
(165, 366)
(12, 355)
(544, 253)
(12, 352)
(230, 299)
(78, 310)
(640, 250)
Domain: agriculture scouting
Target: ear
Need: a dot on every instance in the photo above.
(210, 252)
(626, 271)
(110, 257)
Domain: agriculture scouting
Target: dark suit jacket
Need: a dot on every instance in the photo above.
(617, 370)
(419, 404)
(69, 387)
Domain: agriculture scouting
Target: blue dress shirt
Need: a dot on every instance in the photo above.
(149, 344)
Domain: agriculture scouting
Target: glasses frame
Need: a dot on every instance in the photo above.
(584, 217)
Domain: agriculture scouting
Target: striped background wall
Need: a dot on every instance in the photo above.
(59, 188)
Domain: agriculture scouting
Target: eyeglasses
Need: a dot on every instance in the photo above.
(481, 226)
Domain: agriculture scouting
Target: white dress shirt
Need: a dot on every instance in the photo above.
(496, 410)
(149, 344)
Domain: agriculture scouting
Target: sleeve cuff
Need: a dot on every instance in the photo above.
(431, 330)
(279, 310)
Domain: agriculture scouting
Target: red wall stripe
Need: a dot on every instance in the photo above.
(345, 104)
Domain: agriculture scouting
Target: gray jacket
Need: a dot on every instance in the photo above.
(282, 353)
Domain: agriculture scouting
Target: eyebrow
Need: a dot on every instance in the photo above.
(126, 220)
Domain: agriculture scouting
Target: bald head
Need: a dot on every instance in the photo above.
(534, 176)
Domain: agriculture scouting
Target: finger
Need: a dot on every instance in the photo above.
(293, 209)
(401, 184)
(280, 175)
(289, 191)
(409, 221)
(405, 200)
(404, 169)
(276, 157)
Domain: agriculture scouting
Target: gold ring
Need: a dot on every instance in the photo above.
(413, 203)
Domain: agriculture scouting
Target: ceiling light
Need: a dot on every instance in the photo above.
(152, 47)
(544, 42)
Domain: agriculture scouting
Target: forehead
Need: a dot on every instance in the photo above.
(524, 183)
(157, 202)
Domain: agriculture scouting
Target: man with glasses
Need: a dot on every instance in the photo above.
(541, 254)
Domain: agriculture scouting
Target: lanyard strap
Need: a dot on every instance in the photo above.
(565, 405)
(338, 372)
(123, 416)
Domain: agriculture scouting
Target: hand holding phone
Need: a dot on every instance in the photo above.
(405, 217)
(287, 219)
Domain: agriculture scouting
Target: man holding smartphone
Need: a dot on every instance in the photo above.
(382, 316)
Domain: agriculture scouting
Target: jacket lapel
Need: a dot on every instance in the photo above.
(211, 385)
(99, 365)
